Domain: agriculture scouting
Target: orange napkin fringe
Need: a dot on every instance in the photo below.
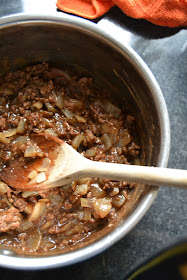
(171, 13)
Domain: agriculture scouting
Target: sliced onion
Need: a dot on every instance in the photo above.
(51, 131)
(34, 239)
(78, 228)
(3, 188)
(3, 139)
(84, 180)
(7, 201)
(46, 121)
(87, 215)
(28, 208)
(73, 185)
(97, 191)
(46, 225)
(118, 200)
(106, 140)
(67, 188)
(50, 107)
(91, 226)
(59, 101)
(90, 153)
(67, 114)
(81, 189)
(102, 206)
(45, 165)
(30, 151)
(21, 126)
(32, 174)
(37, 104)
(26, 225)
(124, 141)
(38, 210)
(85, 202)
(77, 104)
(84, 215)
(29, 193)
(114, 191)
(106, 128)
(80, 119)
(10, 132)
(112, 109)
(33, 151)
(41, 177)
(123, 132)
(77, 141)
(45, 200)
(21, 140)
(65, 227)
(57, 199)
(114, 138)
(32, 181)
(48, 243)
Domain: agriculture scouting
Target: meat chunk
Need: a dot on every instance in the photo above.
(10, 219)
(90, 137)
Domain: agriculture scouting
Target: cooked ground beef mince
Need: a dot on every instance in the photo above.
(48, 100)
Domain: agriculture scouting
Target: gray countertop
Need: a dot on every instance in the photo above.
(165, 52)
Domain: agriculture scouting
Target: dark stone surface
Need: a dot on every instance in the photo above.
(165, 52)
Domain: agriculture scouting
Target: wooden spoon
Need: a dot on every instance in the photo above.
(68, 165)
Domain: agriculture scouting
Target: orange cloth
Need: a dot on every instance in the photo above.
(170, 13)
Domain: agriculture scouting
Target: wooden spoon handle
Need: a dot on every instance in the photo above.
(138, 174)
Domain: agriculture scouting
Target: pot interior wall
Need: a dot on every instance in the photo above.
(64, 45)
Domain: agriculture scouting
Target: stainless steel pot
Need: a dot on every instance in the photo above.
(71, 41)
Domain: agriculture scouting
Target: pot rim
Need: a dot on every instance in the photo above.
(14, 261)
